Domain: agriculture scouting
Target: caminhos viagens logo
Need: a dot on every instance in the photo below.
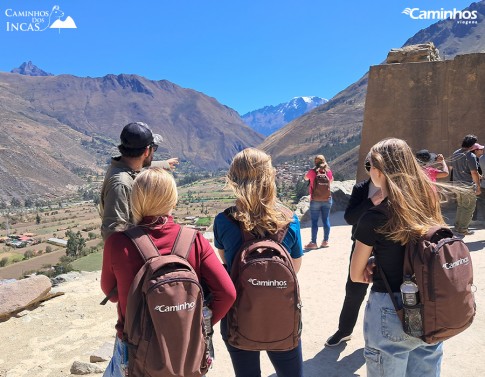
(21, 20)
(457, 263)
(461, 16)
(268, 283)
(175, 308)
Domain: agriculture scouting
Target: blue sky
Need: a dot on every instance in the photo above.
(245, 53)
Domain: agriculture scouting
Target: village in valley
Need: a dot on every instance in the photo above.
(65, 235)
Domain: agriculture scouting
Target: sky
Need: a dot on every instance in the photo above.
(246, 53)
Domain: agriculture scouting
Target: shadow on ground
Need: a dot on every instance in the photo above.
(326, 363)
(476, 245)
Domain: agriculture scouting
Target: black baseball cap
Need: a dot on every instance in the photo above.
(138, 135)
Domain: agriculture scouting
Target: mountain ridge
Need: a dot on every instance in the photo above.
(271, 118)
(196, 128)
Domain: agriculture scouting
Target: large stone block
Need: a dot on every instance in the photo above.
(22, 294)
(431, 105)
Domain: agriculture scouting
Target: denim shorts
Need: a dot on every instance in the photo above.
(389, 351)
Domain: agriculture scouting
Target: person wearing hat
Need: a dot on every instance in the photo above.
(427, 159)
(138, 144)
(465, 173)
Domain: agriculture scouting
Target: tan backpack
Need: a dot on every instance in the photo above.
(267, 312)
(163, 321)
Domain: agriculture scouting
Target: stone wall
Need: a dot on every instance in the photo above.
(431, 105)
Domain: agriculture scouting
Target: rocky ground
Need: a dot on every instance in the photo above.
(47, 341)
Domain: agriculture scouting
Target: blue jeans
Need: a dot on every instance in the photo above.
(389, 351)
(119, 362)
(247, 363)
(317, 209)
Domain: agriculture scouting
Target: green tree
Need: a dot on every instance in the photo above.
(301, 189)
(15, 202)
(75, 243)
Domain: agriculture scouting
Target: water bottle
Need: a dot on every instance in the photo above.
(413, 322)
(207, 314)
(409, 292)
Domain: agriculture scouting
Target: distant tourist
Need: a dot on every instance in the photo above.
(320, 178)
(427, 160)
(477, 150)
(481, 198)
(364, 196)
(138, 145)
(408, 210)
(465, 173)
(153, 197)
(252, 178)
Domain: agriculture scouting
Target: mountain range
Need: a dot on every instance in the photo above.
(334, 128)
(271, 118)
(55, 127)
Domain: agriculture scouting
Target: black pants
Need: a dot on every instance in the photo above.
(354, 296)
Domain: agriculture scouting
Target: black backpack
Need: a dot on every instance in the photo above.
(267, 312)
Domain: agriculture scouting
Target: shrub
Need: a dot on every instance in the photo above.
(49, 249)
(3, 262)
(29, 254)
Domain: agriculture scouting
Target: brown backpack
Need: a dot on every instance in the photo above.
(163, 321)
(441, 266)
(321, 186)
(267, 312)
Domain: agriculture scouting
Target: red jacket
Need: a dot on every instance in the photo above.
(121, 262)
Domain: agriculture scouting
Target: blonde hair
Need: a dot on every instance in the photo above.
(413, 204)
(320, 162)
(252, 178)
(154, 193)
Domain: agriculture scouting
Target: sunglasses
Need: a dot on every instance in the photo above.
(367, 166)
(154, 147)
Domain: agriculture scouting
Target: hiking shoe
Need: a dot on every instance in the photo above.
(324, 244)
(337, 338)
(464, 232)
(311, 245)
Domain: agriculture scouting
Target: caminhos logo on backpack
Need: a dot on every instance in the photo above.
(175, 308)
(459, 262)
(268, 283)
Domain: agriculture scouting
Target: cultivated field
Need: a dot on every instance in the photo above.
(198, 204)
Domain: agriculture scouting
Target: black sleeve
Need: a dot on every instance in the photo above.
(365, 231)
(358, 203)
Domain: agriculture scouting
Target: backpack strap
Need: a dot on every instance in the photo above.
(143, 243)
(399, 312)
(183, 242)
(145, 246)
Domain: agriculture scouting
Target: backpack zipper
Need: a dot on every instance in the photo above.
(171, 280)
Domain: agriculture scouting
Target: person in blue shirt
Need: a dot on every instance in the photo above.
(252, 178)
